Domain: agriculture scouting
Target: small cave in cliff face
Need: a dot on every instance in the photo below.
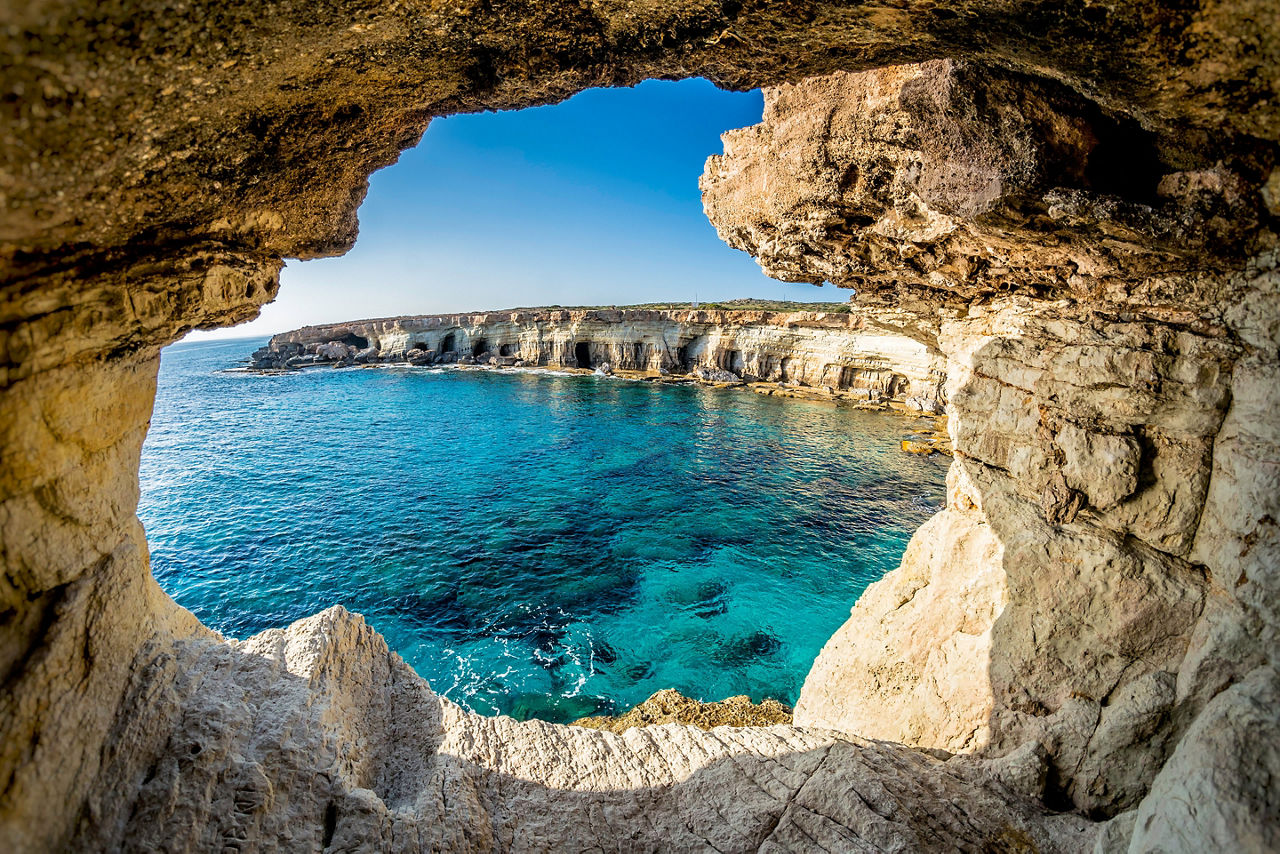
(582, 353)
(479, 347)
(353, 340)
(682, 358)
(448, 344)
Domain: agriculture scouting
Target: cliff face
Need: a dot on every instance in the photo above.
(1104, 568)
(1077, 210)
(838, 351)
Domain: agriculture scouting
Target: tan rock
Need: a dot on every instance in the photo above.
(670, 706)
(1074, 210)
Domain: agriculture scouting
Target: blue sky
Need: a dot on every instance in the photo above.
(591, 201)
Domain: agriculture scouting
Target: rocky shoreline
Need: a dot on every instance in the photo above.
(806, 355)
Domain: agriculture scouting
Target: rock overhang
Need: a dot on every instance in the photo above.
(163, 161)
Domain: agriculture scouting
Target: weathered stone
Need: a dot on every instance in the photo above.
(1076, 211)
(1104, 468)
(670, 706)
(1218, 791)
(853, 352)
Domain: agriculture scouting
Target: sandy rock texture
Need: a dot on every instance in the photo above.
(836, 350)
(1075, 593)
(317, 736)
(669, 706)
(1075, 205)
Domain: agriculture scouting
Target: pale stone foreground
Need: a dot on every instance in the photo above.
(318, 735)
(1077, 211)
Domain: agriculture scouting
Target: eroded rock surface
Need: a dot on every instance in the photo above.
(669, 706)
(837, 350)
(1073, 593)
(318, 736)
(1075, 204)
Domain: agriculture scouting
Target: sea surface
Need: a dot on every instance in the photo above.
(533, 544)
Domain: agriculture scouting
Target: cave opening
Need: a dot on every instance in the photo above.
(459, 335)
(1110, 168)
(353, 340)
(1125, 162)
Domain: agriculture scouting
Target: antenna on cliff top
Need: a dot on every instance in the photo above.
(695, 299)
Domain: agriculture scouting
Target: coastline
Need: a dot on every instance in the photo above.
(932, 439)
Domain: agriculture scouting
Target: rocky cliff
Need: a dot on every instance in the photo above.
(839, 351)
(1104, 569)
(1074, 204)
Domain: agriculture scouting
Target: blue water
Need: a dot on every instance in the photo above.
(533, 544)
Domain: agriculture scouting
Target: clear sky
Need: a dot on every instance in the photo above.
(591, 201)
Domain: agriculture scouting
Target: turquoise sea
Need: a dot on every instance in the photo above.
(533, 544)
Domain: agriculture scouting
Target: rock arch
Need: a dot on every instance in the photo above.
(1114, 381)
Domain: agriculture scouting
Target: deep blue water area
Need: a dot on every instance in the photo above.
(533, 544)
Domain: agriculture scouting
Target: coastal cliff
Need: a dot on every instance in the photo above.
(838, 351)
(1077, 211)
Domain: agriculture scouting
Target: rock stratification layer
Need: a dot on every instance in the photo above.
(837, 350)
(1074, 204)
(1091, 587)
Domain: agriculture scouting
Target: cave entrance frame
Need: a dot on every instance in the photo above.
(582, 354)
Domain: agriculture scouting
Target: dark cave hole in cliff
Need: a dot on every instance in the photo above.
(447, 345)
(582, 352)
(505, 350)
(1125, 162)
(479, 347)
(357, 341)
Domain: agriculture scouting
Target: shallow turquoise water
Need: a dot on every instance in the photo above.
(535, 545)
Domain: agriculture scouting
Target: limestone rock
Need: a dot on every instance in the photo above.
(354, 749)
(1104, 468)
(856, 354)
(1218, 790)
(929, 181)
(1072, 218)
(715, 375)
(670, 706)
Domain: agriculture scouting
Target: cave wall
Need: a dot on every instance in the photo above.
(1112, 167)
(1083, 590)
